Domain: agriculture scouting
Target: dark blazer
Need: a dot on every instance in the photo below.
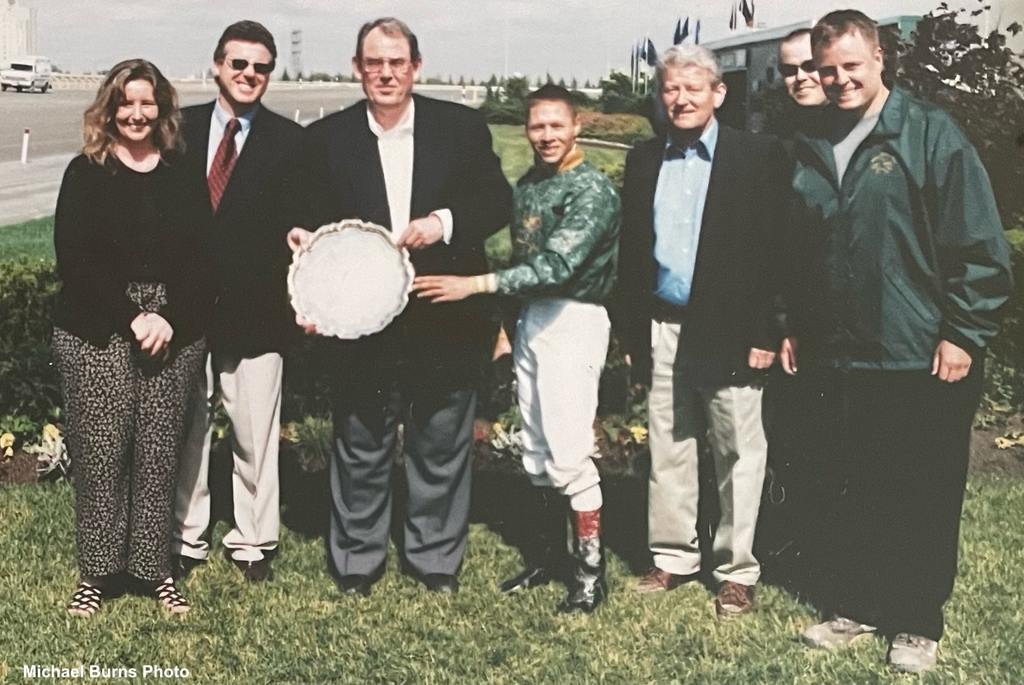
(454, 167)
(248, 245)
(730, 308)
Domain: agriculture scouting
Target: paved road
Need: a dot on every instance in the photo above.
(30, 191)
(55, 120)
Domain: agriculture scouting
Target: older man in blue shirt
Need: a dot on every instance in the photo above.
(701, 210)
(678, 207)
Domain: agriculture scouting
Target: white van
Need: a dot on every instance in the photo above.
(27, 73)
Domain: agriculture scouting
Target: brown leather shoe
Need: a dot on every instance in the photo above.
(258, 571)
(734, 600)
(657, 580)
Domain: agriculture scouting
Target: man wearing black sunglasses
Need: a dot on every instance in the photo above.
(789, 532)
(796, 66)
(241, 154)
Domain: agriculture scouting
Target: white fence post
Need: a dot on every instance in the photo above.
(24, 147)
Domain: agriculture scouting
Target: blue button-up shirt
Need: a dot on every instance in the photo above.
(678, 209)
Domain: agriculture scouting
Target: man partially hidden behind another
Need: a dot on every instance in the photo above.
(903, 267)
(245, 154)
(786, 530)
(565, 229)
(425, 169)
(701, 211)
(799, 74)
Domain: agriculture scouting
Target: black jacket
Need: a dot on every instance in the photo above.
(735, 276)
(114, 226)
(454, 167)
(247, 242)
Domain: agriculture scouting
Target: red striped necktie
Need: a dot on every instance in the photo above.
(223, 163)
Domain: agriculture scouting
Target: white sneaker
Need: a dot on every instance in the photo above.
(834, 633)
(912, 653)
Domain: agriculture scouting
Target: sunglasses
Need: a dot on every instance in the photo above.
(259, 67)
(788, 70)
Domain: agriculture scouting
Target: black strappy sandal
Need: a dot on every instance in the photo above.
(170, 599)
(86, 601)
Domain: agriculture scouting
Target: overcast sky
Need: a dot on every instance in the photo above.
(567, 38)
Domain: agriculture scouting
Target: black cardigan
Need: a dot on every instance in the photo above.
(114, 225)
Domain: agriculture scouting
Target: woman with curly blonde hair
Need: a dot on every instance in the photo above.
(128, 329)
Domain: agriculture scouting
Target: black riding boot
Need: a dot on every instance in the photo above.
(544, 550)
(587, 588)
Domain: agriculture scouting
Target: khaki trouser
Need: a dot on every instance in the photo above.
(681, 418)
(251, 392)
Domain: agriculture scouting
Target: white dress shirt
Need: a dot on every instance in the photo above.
(396, 157)
(218, 121)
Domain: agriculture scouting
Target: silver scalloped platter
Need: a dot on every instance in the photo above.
(352, 281)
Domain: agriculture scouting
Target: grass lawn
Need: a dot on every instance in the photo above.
(299, 629)
(32, 239)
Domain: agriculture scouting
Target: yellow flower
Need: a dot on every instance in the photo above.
(290, 432)
(1009, 440)
(50, 432)
(7, 445)
(639, 434)
(498, 428)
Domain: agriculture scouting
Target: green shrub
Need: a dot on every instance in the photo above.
(617, 128)
(509, 106)
(1004, 382)
(507, 112)
(30, 394)
(29, 390)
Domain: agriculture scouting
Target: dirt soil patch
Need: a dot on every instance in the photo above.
(21, 468)
(988, 459)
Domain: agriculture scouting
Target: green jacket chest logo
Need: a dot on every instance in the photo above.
(531, 223)
(882, 163)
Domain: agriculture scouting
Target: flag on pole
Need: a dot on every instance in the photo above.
(748, 13)
(686, 30)
(732, 19)
(651, 53)
(676, 40)
(696, 33)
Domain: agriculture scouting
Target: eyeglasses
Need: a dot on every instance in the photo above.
(788, 70)
(375, 65)
(261, 68)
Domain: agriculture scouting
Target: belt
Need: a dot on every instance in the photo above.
(666, 312)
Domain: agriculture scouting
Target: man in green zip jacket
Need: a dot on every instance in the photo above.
(901, 270)
(565, 233)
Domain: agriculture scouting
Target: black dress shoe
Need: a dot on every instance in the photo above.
(441, 583)
(255, 571)
(530, 578)
(182, 565)
(356, 584)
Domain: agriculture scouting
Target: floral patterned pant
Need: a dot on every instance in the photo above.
(124, 420)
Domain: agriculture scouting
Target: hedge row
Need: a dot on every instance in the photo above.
(29, 390)
(617, 128)
(30, 395)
